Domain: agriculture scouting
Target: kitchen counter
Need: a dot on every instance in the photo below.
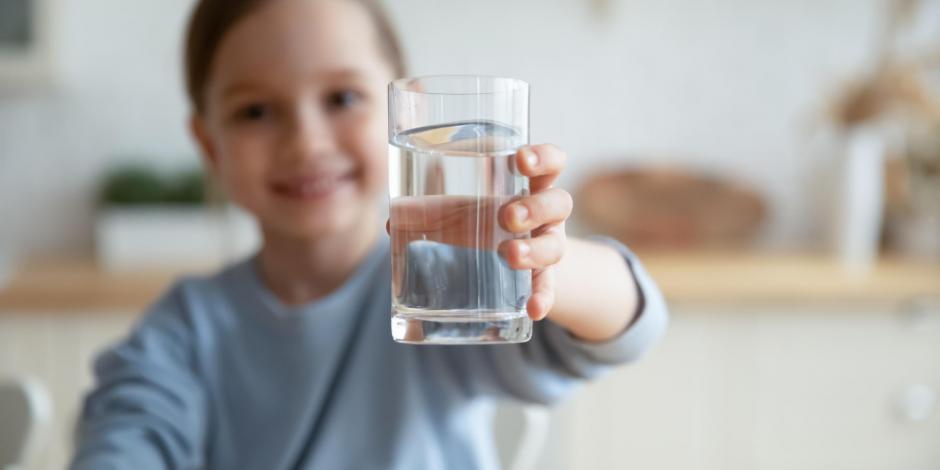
(789, 278)
(709, 279)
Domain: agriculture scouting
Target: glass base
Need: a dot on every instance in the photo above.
(460, 327)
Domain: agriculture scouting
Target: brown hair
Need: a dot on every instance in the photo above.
(211, 19)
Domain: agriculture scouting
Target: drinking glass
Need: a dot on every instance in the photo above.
(452, 141)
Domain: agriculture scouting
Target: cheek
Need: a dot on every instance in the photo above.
(378, 161)
(243, 166)
(368, 141)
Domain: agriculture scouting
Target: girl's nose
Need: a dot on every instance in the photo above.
(309, 135)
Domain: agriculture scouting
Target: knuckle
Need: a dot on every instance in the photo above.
(560, 201)
(555, 248)
(535, 205)
(557, 155)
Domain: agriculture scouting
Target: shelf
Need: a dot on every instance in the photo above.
(697, 279)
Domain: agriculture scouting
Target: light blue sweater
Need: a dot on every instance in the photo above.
(220, 375)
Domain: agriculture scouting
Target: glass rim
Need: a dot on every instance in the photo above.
(401, 84)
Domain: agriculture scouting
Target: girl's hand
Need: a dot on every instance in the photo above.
(544, 213)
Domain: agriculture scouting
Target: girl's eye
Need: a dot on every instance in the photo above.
(343, 99)
(252, 112)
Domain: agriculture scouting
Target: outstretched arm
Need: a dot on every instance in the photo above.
(585, 287)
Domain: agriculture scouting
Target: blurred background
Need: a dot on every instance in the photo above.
(776, 164)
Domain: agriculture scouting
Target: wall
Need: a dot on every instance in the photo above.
(726, 85)
(118, 96)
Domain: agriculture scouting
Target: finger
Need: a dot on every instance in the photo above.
(543, 294)
(542, 164)
(534, 253)
(540, 160)
(388, 226)
(546, 207)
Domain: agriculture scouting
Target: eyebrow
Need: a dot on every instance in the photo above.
(249, 86)
(238, 88)
(347, 73)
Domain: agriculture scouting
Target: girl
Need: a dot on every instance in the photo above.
(285, 360)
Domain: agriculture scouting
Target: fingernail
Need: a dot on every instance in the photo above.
(520, 213)
(531, 159)
(524, 250)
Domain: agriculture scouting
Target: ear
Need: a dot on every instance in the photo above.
(200, 132)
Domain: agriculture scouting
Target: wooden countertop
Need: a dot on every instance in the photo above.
(711, 279)
(788, 279)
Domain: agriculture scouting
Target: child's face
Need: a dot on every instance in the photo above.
(295, 117)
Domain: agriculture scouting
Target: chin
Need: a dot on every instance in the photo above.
(326, 222)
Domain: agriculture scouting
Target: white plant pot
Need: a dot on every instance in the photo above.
(171, 237)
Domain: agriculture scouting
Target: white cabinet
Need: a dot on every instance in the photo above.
(824, 387)
(748, 388)
(57, 348)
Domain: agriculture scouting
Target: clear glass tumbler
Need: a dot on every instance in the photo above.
(451, 167)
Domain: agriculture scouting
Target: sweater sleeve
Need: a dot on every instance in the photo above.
(147, 408)
(550, 365)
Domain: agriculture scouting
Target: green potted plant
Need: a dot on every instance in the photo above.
(153, 218)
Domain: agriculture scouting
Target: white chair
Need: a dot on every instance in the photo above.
(26, 410)
(521, 432)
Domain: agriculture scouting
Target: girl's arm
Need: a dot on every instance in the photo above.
(148, 408)
(604, 308)
(596, 296)
(586, 287)
(605, 311)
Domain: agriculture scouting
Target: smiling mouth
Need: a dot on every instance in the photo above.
(312, 187)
